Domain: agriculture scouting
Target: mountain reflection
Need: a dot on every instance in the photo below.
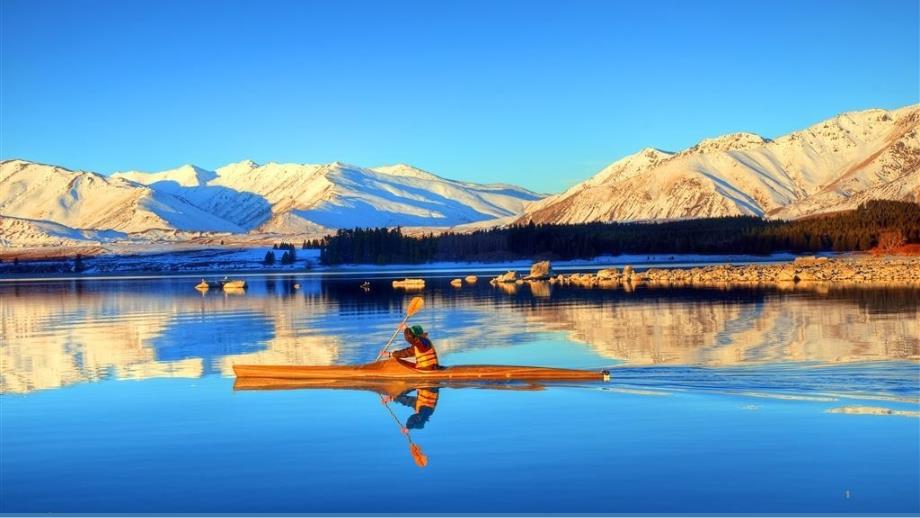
(56, 334)
(716, 333)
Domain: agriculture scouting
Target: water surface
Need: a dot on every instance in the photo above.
(118, 396)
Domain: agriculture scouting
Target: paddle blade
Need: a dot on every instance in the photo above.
(420, 458)
(415, 305)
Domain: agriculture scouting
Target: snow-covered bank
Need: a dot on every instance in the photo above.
(600, 262)
(191, 259)
(161, 259)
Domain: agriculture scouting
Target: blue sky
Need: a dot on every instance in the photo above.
(533, 93)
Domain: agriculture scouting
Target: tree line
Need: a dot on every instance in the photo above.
(888, 222)
(288, 257)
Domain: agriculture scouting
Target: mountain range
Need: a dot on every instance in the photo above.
(831, 166)
(240, 198)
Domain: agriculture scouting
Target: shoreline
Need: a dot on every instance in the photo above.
(893, 270)
(247, 262)
(627, 270)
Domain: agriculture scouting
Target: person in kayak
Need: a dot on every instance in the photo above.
(420, 347)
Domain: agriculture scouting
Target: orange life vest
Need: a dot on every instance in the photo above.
(424, 359)
(426, 397)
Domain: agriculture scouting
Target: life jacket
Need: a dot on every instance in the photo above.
(425, 355)
(426, 397)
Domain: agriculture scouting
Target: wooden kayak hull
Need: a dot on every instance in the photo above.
(391, 387)
(393, 369)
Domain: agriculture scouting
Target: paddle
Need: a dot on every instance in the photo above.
(414, 449)
(415, 305)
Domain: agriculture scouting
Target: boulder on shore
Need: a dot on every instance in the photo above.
(629, 275)
(809, 260)
(608, 274)
(540, 271)
(785, 273)
(805, 276)
(807, 271)
(511, 276)
(409, 284)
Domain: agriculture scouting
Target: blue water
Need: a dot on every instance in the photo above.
(118, 397)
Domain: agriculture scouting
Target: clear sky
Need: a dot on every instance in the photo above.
(538, 94)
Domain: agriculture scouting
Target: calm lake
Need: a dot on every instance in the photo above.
(118, 396)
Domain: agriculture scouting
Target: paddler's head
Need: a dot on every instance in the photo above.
(414, 332)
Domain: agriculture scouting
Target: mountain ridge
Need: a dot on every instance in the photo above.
(246, 197)
(831, 165)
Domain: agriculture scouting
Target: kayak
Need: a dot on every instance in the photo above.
(394, 369)
(390, 387)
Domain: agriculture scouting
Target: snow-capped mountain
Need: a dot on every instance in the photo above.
(85, 200)
(833, 165)
(243, 197)
(27, 232)
(303, 198)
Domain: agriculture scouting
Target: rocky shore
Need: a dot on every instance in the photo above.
(852, 269)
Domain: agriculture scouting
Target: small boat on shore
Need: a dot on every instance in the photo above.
(394, 369)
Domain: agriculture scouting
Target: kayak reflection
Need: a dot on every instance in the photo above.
(423, 403)
(421, 397)
(427, 407)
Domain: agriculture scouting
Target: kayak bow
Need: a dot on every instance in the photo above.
(394, 369)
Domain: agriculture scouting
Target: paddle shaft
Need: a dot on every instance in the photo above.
(390, 341)
(402, 429)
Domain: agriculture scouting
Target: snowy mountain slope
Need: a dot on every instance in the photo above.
(402, 195)
(830, 166)
(300, 198)
(891, 170)
(202, 189)
(86, 200)
(243, 197)
(173, 179)
(27, 232)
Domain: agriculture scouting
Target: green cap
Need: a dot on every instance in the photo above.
(417, 330)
